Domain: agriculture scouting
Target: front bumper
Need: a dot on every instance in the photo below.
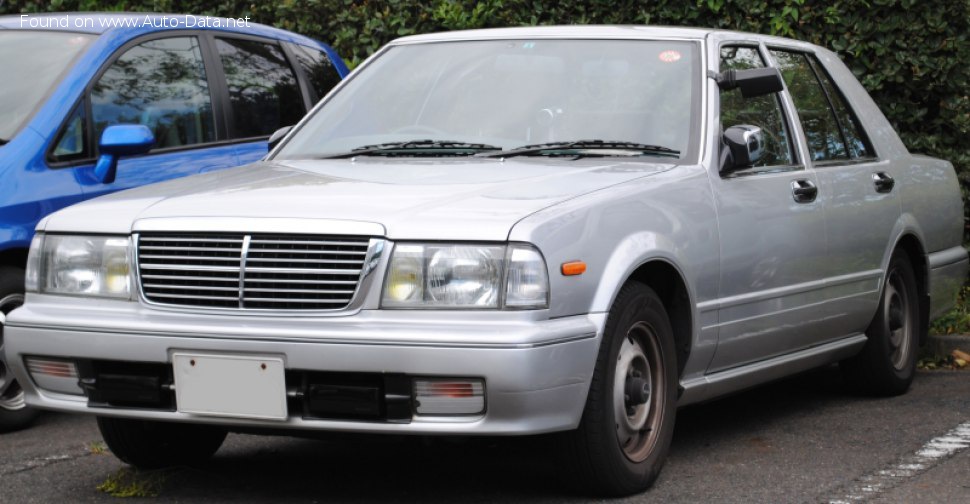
(536, 372)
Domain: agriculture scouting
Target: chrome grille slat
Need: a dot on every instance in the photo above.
(301, 281)
(190, 258)
(300, 291)
(299, 300)
(305, 271)
(257, 241)
(193, 287)
(251, 271)
(300, 261)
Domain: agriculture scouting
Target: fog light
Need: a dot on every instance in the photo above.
(449, 397)
(54, 375)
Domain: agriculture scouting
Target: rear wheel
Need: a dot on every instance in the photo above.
(150, 445)
(14, 413)
(626, 429)
(887, 364)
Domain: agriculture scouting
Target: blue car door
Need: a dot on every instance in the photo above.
(164, 84)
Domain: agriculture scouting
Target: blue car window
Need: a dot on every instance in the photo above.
(160, 84)
(318, 69)
(72, 144)
(263, 90)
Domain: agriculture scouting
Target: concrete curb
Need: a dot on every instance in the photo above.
(945, 344)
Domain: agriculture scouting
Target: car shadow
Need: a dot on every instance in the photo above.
(361, 468)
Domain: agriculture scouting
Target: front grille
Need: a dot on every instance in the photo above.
(257, 271)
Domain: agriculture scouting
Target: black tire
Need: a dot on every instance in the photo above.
(887, 363)
(14, 413)
(609, 455)
(151, 445)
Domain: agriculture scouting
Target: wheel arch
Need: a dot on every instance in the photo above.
(16, 257)
(912, 246)
(668, 282)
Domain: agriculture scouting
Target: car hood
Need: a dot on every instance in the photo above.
(457, 199)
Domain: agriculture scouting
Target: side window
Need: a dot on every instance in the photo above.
(762, 111)
(855, 137)
(318, 69)
(262, 88)
(73, 142)
(825, 140)
(161, 84)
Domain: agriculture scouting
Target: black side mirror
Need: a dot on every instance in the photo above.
(752, 82)
(278, 135)
(747, 145)
(120, 140)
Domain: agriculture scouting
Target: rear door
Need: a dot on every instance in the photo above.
(861, 204)
(772, 241)
(262, 88)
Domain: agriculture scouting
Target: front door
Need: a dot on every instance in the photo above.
(772, 231)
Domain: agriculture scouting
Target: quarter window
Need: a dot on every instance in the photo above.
(825, 138)
(73, 142)
(263, 91)
(762, 111)
(160, 84)
(318, 69)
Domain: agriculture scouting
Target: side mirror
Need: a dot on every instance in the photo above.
(752, 82)
(120, 140)
(747, 145)
(278, 135)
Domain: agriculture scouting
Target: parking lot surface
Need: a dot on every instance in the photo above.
(801, 440)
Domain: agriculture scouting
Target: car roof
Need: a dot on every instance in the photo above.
(102, 22)
(643, 32)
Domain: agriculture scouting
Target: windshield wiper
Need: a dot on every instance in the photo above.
(585, 148)
(416, 148)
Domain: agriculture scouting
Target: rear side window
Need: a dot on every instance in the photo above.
(263, 90)
(831, 129)
(318, 68)
(762, 111)
(855, 137)
(160, 84)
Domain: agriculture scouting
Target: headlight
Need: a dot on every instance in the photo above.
(80, 265)
(465, 276)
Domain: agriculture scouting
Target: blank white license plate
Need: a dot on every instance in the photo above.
(240, 386)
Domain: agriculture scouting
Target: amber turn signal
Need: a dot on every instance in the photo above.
(573, 268)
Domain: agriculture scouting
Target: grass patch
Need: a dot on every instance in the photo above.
(97, 448)
(127, 482)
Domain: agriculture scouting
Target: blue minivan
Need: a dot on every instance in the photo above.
(96, 103)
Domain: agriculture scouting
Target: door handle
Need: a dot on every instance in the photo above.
(883, 182)
(804, 191)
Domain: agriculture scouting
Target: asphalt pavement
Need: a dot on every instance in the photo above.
(801, 440)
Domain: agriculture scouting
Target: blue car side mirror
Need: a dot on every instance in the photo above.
(120, 140)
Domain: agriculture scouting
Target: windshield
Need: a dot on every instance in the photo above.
(32, 63)
(510, 94)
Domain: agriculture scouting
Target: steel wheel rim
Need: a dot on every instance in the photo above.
(638, 425)
(897, 315)
(11, 395)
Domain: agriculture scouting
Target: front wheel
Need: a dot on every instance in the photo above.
(14, 413)
(887, 364)
(626, 429)
(150, 445)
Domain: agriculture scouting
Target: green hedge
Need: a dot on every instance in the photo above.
(913, 56)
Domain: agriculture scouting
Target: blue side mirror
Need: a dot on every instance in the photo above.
(120, 140)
